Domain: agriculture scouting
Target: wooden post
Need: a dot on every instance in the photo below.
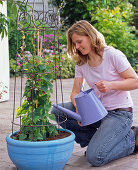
(38, 43)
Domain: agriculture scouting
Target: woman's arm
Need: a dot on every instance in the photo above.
(130, 82)
(135, 84)
(76, 89)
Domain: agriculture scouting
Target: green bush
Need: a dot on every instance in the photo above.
(75, 10)
(72, 11)
(114, 25)
(12, 31)
(63, 38)
(67, 67)
(13, 67)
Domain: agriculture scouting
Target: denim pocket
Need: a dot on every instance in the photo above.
(125, 118)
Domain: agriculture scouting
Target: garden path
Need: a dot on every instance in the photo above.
(77, 160)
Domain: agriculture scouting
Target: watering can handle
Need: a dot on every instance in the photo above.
(93, 86)
(102, 94)
(80, 83)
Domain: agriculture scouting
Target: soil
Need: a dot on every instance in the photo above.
(62, 134)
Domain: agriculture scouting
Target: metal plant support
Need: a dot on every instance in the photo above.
(35, 21)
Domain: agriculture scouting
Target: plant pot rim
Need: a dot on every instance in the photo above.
(40, 143)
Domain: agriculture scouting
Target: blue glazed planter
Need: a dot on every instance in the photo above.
(45, 155)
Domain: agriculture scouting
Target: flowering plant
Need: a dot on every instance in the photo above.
(35, 108)
(39, 70)
(36, 104)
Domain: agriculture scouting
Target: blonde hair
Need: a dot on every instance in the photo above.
(84, 28)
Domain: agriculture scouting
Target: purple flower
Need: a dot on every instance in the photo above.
(19, 64)
(38, 80)
(48, 61)
(52, 47)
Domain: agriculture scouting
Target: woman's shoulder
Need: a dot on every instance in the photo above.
(116, 58)
(112, 52)
(83, 66)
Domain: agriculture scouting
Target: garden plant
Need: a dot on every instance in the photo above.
(116, 19)
(39, 143)
(115, 26)
(38, 69)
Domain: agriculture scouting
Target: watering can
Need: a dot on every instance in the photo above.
(90, 108)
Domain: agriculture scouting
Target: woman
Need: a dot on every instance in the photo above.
(108, 68)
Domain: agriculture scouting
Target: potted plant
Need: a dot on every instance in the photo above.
(33, 147)
(38, 144)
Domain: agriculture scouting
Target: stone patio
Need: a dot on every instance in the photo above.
(77, 160)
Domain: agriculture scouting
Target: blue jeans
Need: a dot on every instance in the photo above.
(107, 140)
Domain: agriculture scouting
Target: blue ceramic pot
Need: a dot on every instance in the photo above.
(45, 155)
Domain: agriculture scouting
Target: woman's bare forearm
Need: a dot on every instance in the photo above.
(72, 97)
(125, 85)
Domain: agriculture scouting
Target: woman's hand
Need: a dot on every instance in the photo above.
(79, 123)
(103, 86)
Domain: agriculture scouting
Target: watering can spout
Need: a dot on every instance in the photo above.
(68, 112)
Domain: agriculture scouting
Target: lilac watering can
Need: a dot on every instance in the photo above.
(89, 106)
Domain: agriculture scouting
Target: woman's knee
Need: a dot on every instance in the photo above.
(95, 157)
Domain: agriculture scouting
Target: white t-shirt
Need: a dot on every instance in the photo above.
(114, 62)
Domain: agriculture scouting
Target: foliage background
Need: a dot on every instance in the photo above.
(123, 36)
(116, 20)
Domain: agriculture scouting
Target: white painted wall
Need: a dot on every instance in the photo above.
(4, 59)
(39, 5)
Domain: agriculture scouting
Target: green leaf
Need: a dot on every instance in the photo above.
(22, 136)
(40, 136)
(30, 137)
(42, 67)
(1, 2)
(44, 88)
(18, 111)
(13, 137)
(36, 119)
(46, 78)
(52, 130)
(52, 117)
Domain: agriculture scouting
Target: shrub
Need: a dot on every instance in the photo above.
(114, 25)
(67, 67)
